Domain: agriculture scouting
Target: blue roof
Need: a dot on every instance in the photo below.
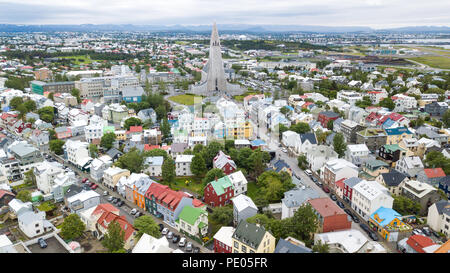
(289, 107)
(279, 165)
(284, 246)
(388, 123)
(258, 142)
(6, 108)
(397, 131)
(386, 215)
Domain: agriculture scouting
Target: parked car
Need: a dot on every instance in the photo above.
(42, 243)
(374, 236)
(196, 249)
(314, 179)
(161, 227)
(170, 235)
(138, 214)
(165, 231)
(355, 219)
(189, 247)
(105, 193)
(110, 198)
(436, 234)
(120, 203)
(182, 242)
(84, 180)
(133, 211)
(308, 172)
(426, 231)
(284, 150)
(94, 186)
(176, 238)
(340, 204)
(348, 211)
(333, 197)
(115, 200)
(326, 189)
(91, 184)
(417, 231)
(365, 228)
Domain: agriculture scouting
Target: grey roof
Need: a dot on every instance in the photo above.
(338, 122)
(443, 207)
(113, 152)
(132, 91)
(29, 217)
(178, 147)
(60, 129)
(352, 181)
(284, 246)
(23, 149)
(249, 234)
(73, 190)
(445, 180)
(298, 196)
(330, 114)
(308, 136)
(393, 178)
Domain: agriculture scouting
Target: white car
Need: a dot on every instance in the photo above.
(417, 231)
(170, 235)
(182, 242)
(164, 231)
(133, 211)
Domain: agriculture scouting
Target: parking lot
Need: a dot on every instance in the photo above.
(53, 247)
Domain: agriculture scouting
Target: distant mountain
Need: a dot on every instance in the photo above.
(223, 28)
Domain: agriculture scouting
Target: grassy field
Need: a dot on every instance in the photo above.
(433, 61)
(81, 59)
(186, 99)
(252, 190)
(195, 184)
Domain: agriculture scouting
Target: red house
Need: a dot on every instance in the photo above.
(326, 116)
(224, 162)
(332, 217)
(223, 240)
(218, 193)
(348, 188)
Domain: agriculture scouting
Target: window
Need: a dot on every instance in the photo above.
(236, 244)
(244, 248)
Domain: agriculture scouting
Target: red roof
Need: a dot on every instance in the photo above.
(340, 183)
(105, 208)
(433, 173)
(3, 192)
(135, 129)
(418, 242)
(165, 147)
(325, 207)
(109, 217)
(156, 189)
(197, 203)
(148, 147)
(85, 101)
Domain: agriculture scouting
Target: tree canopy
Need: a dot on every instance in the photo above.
(146, 224)
(72, 227)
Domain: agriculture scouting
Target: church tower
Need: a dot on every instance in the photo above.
(216, 73)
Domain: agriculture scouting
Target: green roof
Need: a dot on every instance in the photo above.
(109, 129)
(201, 225)
(373, 164)
(372, 132)
(392, 148)
(249, 234)
(221, 184)
(190, 214)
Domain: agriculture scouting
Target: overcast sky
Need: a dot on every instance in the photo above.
(371, 13)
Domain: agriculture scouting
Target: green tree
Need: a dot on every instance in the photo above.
(300, 128)
(304, 224)
(56, 146)
(107, 140)
(198, 165)
(93, 150)
(30, 177)
(156, 152)
(405, 205)
(51, 96)
(388, 103)
(114, 239)
(131, 122)
(165, 128)
(24, 196)
(257, 163)
(211, 151)
(229, 144)
(46, 113)
(132, 161)
(15, 102)
(435, 159)
(168, 170)
(212, 174)
(339, 144)
(30, 105)
(198, 148)
(330, 124)
(223, 215)
(321, 248)
(302, 162)
(72, 227)
(76, 93)
(146, 224)
(446, 118)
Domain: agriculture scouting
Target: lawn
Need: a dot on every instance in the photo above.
(241, 97)
(433, 61)
(252, 190)
(186, 99)
(46, 206)
(194, 185)
(81, 59)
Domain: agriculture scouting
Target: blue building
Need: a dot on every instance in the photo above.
(132, 94)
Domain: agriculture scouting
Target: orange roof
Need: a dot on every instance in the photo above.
(445, 248)
(340, 183)
(433, 173)
(148, 147)
(135, 129)
(105, 208)
(418, 242)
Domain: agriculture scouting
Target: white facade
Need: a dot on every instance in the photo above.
(76, 152)
(239, 183)
(45, 173)
(439, 217)
(183, 165)
(351, 97)
(404, 103)
(368, 196)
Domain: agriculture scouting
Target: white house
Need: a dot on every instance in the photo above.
(318, 156)
(356, 150)
(368, 196)
(98, 166)
(439, 217)
(290, 138)
(154, 165)
(76, 152)
(82, 201)
(348, 241)
(33, 223)
(308, 141)
(349, 96)
(404, 103)
(243, 208)
(150, 244)
(409, 165)
(183, 165)
(239, 183)
(45, 173)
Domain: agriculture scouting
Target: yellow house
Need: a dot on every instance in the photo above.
(242, 131)
(252, 238)
(112, 175)
(121, 135)
(375, 167)
(395, 135)
(388, 223)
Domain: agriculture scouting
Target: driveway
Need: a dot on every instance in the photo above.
(53, 247)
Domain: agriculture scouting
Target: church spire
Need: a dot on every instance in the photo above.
(214, 36)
